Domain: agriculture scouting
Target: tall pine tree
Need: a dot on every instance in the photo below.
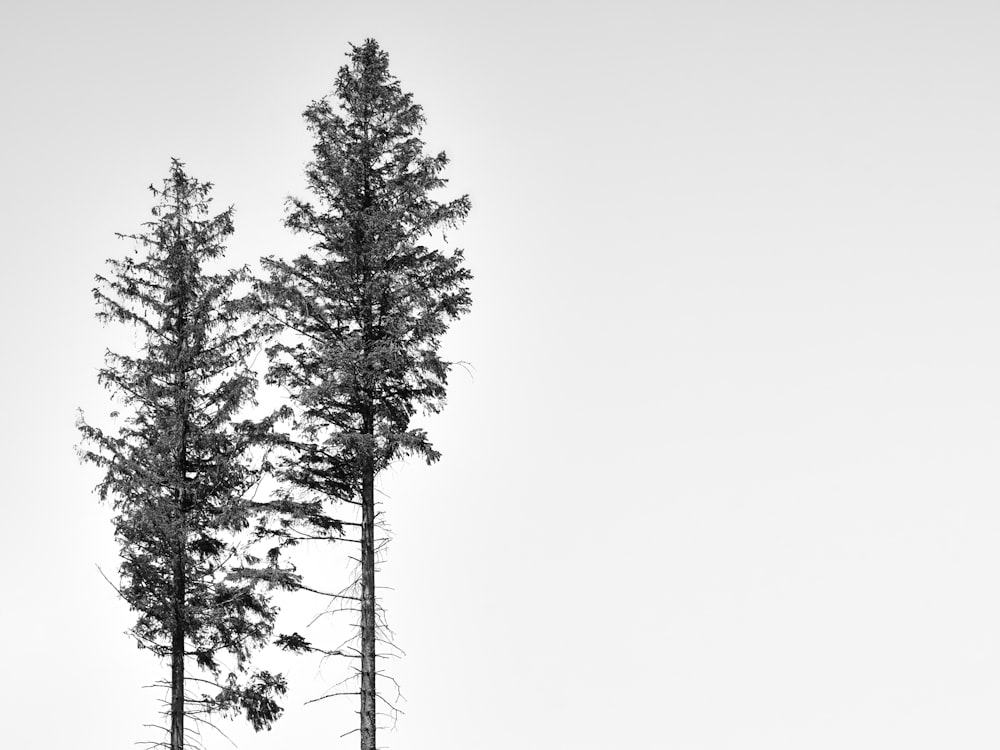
(180, 467)
(365, 308)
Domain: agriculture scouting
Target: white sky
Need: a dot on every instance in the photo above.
(725, 476)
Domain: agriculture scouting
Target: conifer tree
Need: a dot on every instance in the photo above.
(180, 466)
(366, 308)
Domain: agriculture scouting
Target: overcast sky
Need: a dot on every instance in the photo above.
(724, 472)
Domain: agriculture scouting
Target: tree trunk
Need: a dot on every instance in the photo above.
(368, 599)
(177, 657)
(180, 583)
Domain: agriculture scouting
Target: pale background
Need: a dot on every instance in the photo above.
(725, 474)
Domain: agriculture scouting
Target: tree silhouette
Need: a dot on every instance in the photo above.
(180, 467)
(365, 310)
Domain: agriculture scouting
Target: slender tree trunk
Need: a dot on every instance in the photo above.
(367, 486)
(177, 657)
(368, 594)
(177, 707)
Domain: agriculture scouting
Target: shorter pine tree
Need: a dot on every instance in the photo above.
(180, 467)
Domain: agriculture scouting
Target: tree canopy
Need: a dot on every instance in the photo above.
(180, 465)
(365, 309)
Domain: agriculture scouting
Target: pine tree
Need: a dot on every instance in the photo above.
(366, 309)
(180, 466)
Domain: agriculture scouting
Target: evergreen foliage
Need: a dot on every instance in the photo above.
(371, 301)
(365, 308)
(180, 467)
